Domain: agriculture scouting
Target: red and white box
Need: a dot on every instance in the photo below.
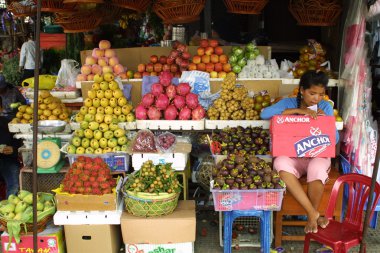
(303, 136)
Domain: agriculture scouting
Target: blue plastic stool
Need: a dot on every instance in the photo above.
(346, 168)
(265, 228)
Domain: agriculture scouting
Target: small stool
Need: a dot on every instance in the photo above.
(265, 227)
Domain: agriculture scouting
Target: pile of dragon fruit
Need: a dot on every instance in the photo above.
(170, 102)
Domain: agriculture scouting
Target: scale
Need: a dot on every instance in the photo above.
(49, 158)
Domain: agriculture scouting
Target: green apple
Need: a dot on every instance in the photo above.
(96, 102)
(113, 126)
(99, 117)
(98, 151)
(89, 150)
(89, 117)
(93, 125)
(117, 94)
(122, 140)
(79, 117)
(83, 110)
(104, 85)
(124, 148)
(92, 110)
(122, 101)
(98, 78)
(108, 118)
(87, 102)
(108, 134)
(113, 102)
(119, 132)
(95, 86)
(108, 110)
(85, 143)
(103, 142)
(108, 94)
(125, 109)
(100, 94)
(100, 110)
(76, 141)
(79, 132)
(84, 125)
(130, 117)
(88, 133)
(94, 143)
(107, 150)
(116, 149)
(121, 118)
(104, 102)
(71, 149)
(91, 94)
(113, 85)
(103, 127)
(112, 142)
(98, 134)
(80, 150)
(117, 110)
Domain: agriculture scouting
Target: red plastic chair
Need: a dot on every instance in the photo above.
(341, 236)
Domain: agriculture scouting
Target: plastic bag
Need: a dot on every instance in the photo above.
(148, 81)
(165, 142)
(144, 141)
(199, 81)
(67, 74)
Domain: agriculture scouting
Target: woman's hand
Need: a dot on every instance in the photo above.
(308, 112)
(8, 150)
(320, 112)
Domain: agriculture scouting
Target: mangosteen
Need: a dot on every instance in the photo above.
(240, 167)
(225, 152)
(219, 165)
(267, 170)
(247, 135)
(230, 165)
(240, 129)
(224, 171)
(249, 166)
(243, 142)
(259, 141)
(248, 180)
(267, 178)
(282, 183)
(234, 172)
(253, 159)
(243, 186)
(247, 147)
(220, 180)
(231, 146)
(239, 179)
(260, 172)
(214, 172)
(225, 187)
(278, 186)
(245, 173)
(275, 179)
(252, 186)
(261, 186)
(257, 180)
(216, 186)
(252, 172)
(254, 135)
(232, 130)
(235, 186)
(239, 146)
(239, 159)
(229, 180)
(235, 139)
(260, 152)
(270, 185)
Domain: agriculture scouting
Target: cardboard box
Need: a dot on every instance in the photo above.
(80, 202)
(303, 136)
(177, 227)
(50, 240)
(93, 238)
(186, 247)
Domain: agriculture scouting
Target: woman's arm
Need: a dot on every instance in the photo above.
(276, 109)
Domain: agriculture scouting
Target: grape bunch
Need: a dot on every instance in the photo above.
(165, 141)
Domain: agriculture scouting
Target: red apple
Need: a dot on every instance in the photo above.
(141, 67)
(184, 64)
(218, 50)
(209, 67)
(166, 67)
(157, 67)
(213, 43)
(214, 58)
(222, 74)
(178, 61)
(182, 48)
(209, 50)
(149, 67)
(186, 55)
(223, 58)
(205, 58)
(153, 58)
(174, 68)
(145, 73)
(203, 43)
(200, 51)
(163, 59)
(170, 60)
(175, 44)
(173, 54)
(218, 67)
(201, 66)
(196, 59)
(227, 67)
(192, 66)
(137, 75)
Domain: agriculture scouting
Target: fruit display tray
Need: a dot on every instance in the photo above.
(27, 128)
(171, 124)
(122, 125)
(220, 124)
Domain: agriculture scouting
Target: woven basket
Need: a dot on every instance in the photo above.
(180, 11)
(110, 13)
(245, 6)
(205, 172)
(20, 10)
(136, 5)
(150, 205)
(41, 225)
(83, 1)
(315, 12)
(55, 6)
(81, 21)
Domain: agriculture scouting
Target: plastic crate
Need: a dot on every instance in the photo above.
(258, 199)
(115, 160)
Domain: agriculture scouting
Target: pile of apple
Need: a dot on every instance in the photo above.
(49, 108)
(103, 60)
(211, 58)
(169, 102)
(176, 62)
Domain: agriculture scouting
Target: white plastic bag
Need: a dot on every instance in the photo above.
(67, 74)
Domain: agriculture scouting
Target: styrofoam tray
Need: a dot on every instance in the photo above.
(171, 124)
(178, 160)
(58, 94)
(220, 124)
(27, 128)
(122, 125)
